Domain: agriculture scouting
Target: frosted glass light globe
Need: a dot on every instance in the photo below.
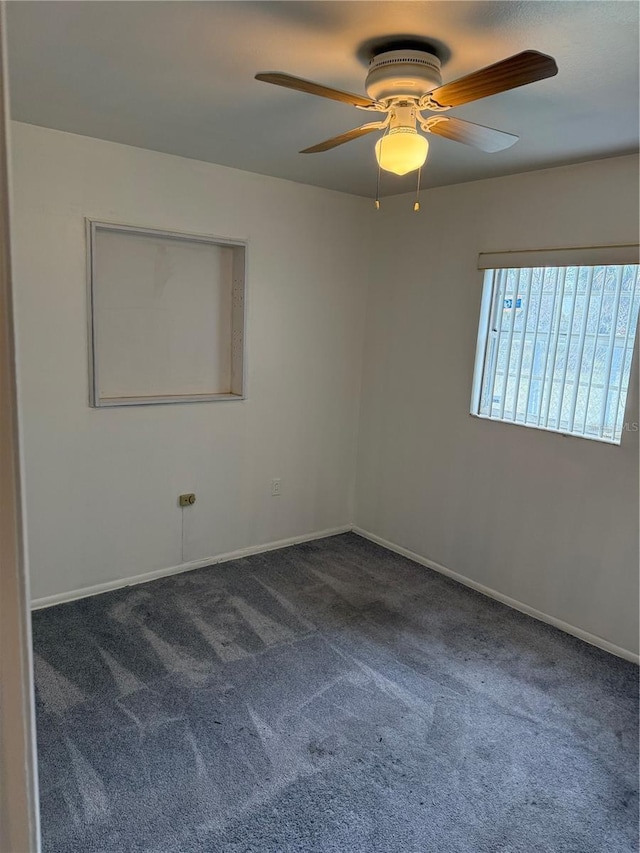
(402, 150)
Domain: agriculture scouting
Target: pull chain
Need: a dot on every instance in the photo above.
(416, 205)
(377, 201)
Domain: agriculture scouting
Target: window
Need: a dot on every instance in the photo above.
(555, 346)
(166, 316)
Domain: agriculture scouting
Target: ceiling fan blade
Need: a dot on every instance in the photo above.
(517, 70)
(344, 137)
(484, 138)
(310, 88)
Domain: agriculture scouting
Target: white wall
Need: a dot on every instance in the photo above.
(547, 520)
(102, 485)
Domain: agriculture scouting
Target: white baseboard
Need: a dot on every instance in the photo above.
(85, 592)
(593, 639)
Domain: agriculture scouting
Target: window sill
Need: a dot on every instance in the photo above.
(558, 432)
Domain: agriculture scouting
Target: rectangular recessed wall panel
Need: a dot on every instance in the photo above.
(166, 316)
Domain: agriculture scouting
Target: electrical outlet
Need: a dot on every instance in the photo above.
(187, 500)
(276, 485)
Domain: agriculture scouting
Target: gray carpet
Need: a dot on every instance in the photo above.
(328, 698)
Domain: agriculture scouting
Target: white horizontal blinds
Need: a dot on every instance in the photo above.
(559, 347)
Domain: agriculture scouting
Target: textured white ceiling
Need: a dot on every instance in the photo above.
(178, 77)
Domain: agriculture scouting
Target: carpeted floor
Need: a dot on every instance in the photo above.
(328, 698)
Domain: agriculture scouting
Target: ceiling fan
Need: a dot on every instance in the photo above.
(404, 82)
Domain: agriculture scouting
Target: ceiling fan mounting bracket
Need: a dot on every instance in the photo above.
(405, 74)
(427, 122)
(374, 107)
(428, 103)
(405, 79)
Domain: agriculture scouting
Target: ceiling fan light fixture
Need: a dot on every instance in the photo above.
(403, 81)
(402, 150)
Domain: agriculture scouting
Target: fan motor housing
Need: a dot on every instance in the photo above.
(402, 73)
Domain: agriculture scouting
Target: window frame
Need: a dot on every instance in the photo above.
(496, 263)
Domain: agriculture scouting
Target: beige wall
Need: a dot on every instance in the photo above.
(547, 520)
(102, 485)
